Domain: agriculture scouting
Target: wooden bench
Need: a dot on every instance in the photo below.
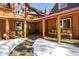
(63, 32)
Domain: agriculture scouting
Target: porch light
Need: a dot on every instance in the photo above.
(61, 27)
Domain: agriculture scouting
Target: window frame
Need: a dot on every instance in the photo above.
(21, 25)
(63, 22)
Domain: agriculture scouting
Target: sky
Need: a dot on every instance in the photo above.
(42, 6)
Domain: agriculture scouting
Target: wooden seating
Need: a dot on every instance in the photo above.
(67, 33)
(63, 32)
(12, 34)
(20, 33)
(5, 36)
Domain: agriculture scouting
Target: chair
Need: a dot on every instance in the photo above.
(12, 34)
(20, 33)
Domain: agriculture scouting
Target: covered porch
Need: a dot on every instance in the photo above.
(61, 25)
(12, 27)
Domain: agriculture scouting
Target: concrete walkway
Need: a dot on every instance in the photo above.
(6, 46)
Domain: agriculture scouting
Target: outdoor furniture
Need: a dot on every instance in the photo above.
(5, 36)
(63, 33)
(12, 34)
(67, 33)
(42, 47)
(20, 33)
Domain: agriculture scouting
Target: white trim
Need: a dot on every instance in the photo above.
(63, 22)
(66, 19)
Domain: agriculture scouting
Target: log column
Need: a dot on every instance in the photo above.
(7, 28)
(58, 30)
(43, 28)
(25, 28)
(7, 25)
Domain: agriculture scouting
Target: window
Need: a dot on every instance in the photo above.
(19, 9)
(65, 23)
(19, 25)
(7, 5)
(62, 5)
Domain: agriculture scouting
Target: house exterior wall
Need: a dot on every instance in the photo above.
(74, 24)
(2, 26)
(74, 17)
(40, 28)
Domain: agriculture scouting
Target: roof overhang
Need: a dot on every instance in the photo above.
(62, 13)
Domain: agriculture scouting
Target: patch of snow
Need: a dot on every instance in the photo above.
(43, 47)
(8, 45)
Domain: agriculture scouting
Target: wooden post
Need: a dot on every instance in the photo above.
(25, 28)
(43, 28)
(25, 23)
(7, 28)
(7, 25)
(58, 30)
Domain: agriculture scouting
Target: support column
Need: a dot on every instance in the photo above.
(7, 25)
(43, 28)
(7, 28)
(58, 30)
(25, 28)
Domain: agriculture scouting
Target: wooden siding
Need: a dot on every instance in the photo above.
(74, 20)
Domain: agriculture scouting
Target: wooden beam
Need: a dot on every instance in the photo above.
(25, 28)
(7, 26)
(43, 28)
(58, 30)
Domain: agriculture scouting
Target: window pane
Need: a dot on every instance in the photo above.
(66, 24)
(19, 9)
(19, 26)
